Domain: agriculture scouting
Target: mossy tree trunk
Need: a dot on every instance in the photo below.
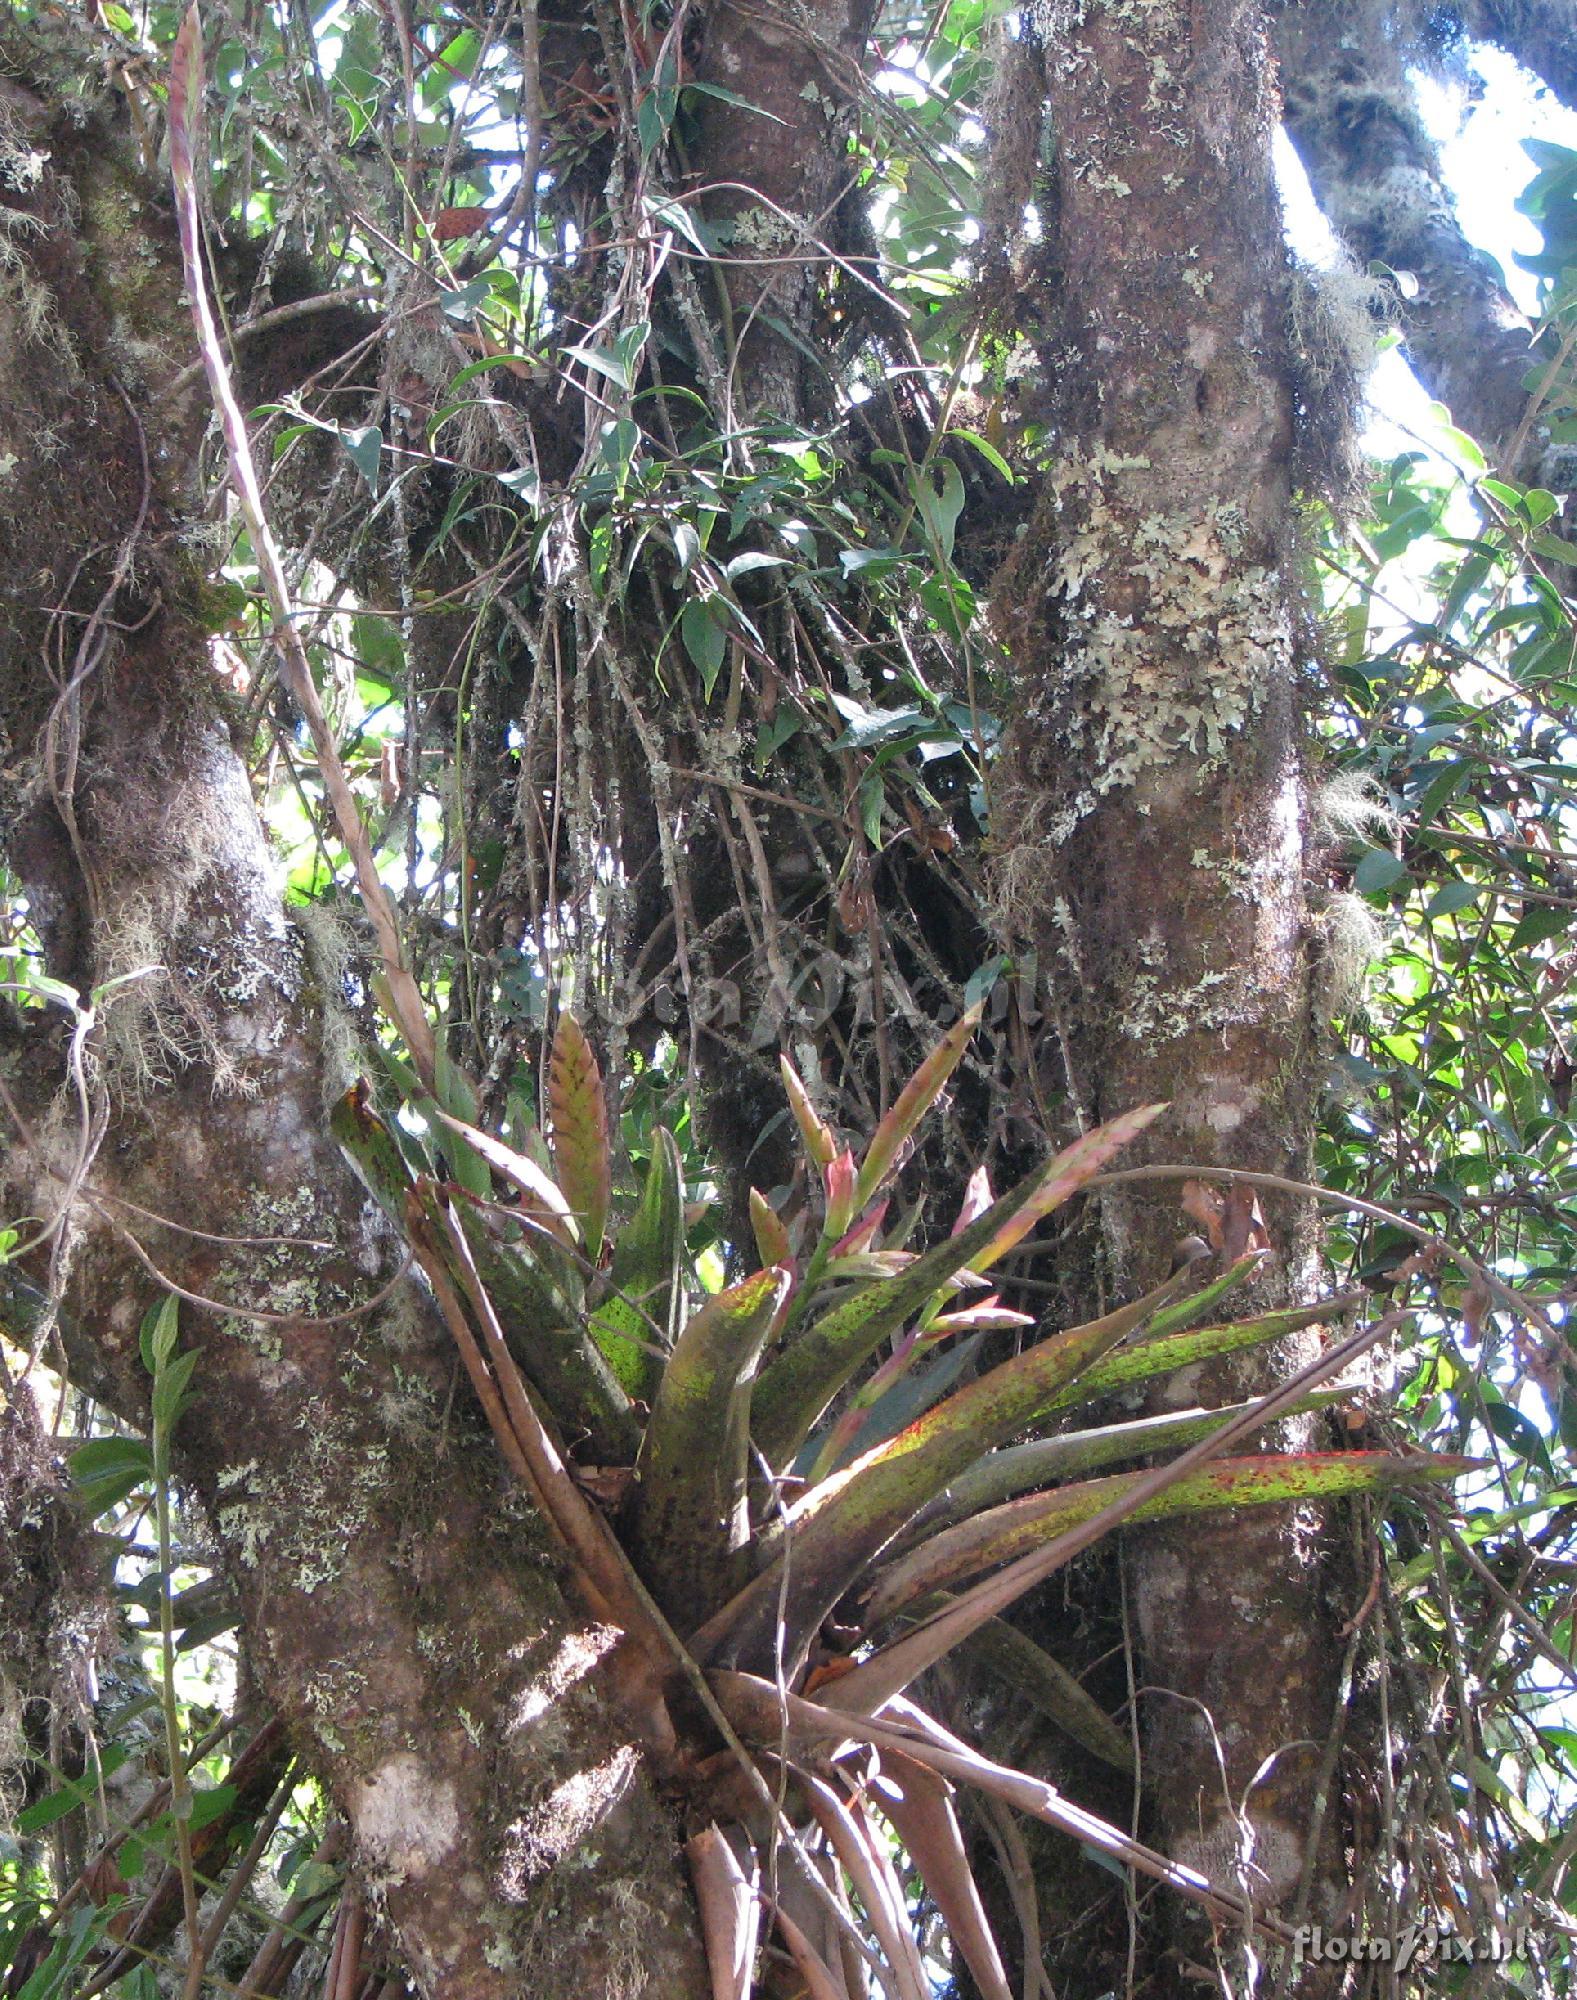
(1377, 174)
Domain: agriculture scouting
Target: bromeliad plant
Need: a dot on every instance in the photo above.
(797, 1531)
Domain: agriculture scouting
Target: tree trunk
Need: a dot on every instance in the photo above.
(773, 177)
(404, 1610)
(1153, 777)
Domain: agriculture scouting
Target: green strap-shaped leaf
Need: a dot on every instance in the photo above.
(1035, 1677)
(1000, 1475)
(689, 1517)
(1065, 1175)
(1262, 1480)
(1149, 1358)
(372, 1150)
(802, 1381)
(580, 1132)
(772, 1240)
(820, 1145)
(641, 1313)
(842, 1524)
(533, 1282)
(1183, 1312)
(891, 1409)
(456, 1102)
(539, 1193)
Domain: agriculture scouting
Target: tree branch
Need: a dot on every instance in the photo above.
(1352, 116)
(1540, 34)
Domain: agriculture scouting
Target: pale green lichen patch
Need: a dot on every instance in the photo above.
(280, 1264)
(500, 1952)
(308, 1507)
(327, 1699)
(244, 1524)
(764, 229)
(1170, 640)
(333, 1484)
(1158, 1009)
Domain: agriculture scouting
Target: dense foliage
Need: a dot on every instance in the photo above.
(632, 623)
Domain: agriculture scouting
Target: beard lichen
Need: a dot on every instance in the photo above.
(1335, 317)
(23, 167)
(1349, 805)
(1348, 938)
(330, 949)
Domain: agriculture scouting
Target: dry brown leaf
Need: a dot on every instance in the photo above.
(828, 1670)
(450, 223)
(855, 907)
(1242, 1225)
(1476, 1302)
(103, 1879)
(1188, 1250)
(730, 1911)
(607, 1484)
(1203, 1204)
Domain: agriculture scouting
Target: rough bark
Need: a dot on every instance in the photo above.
(1152, 779)
(775, 174)
(405, 1611)
(1375, 171)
